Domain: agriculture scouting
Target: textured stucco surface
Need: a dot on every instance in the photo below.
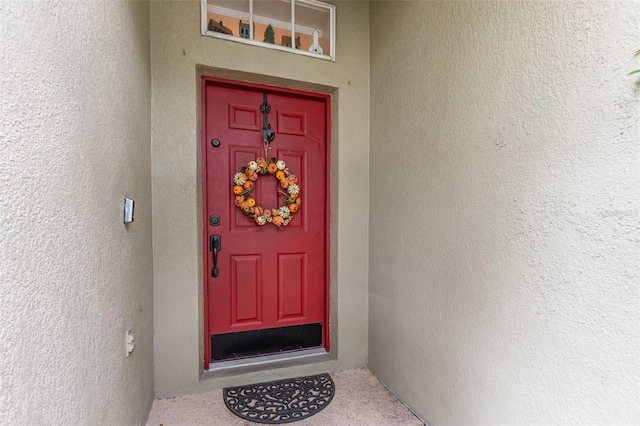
(75, 140)
(505, 143)
(177, 50)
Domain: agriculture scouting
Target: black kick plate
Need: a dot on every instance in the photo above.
(266, 341)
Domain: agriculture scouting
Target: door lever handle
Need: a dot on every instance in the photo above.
(215, 246)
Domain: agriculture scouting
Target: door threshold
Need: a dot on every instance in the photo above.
(236, 364)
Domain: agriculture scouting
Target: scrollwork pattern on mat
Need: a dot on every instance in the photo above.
(280, 402)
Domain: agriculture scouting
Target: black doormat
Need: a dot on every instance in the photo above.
(280, 402)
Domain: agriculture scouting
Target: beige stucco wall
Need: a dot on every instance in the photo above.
(75, 140)
(178, 52)
(505, 198)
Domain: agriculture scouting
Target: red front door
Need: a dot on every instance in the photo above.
(269, 290)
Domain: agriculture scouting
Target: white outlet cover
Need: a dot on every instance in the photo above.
(128, 210)
(130, 341)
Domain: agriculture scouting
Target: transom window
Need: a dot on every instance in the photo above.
(305, 27)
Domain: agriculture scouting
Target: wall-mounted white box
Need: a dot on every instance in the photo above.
(128, 210)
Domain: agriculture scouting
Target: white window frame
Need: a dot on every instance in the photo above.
(310, 3)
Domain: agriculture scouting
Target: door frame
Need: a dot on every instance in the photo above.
(326, 98)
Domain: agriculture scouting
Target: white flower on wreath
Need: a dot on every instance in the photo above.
(293, 189)
(261, 220)
(252, 165)
(239, 178)
(280, 165)
(284, 212)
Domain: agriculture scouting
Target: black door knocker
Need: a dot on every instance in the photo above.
(268, 134)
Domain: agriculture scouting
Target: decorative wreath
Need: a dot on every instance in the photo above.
(287, 185)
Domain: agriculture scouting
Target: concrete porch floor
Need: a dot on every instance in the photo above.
(360, 400)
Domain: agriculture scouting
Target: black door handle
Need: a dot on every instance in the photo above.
(215, 245)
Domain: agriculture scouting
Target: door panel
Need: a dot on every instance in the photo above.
(246, 308)
(291, 287)
(271, 279)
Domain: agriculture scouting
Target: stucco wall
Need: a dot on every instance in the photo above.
(75, 140)
(505, 140)
(178, 52)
